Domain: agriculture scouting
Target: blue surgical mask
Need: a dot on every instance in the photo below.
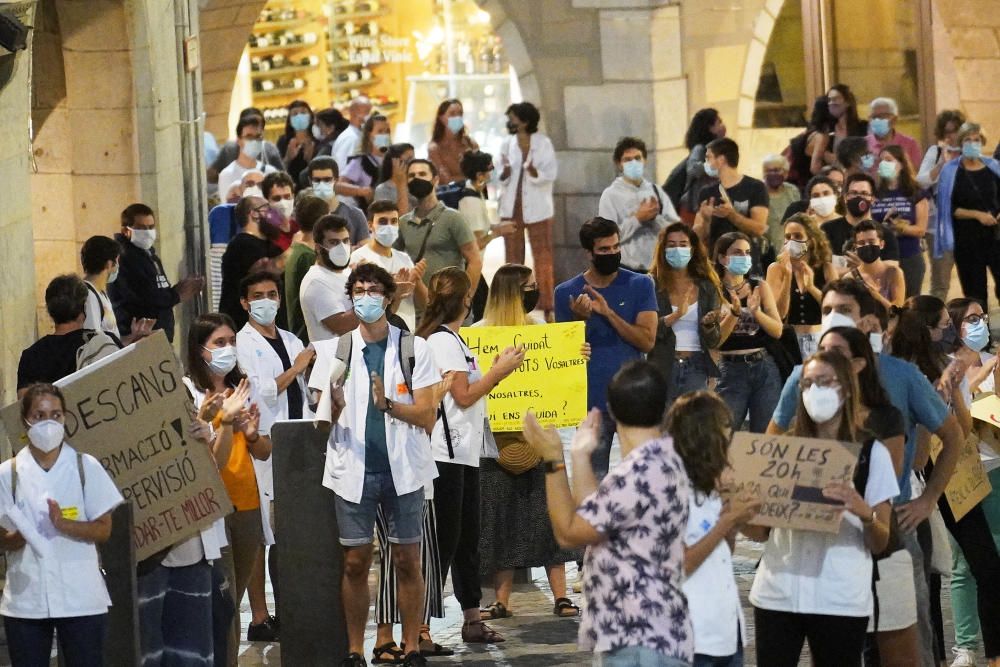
(223, 359)
(381, 141)
(977, 335)
(879, 127)
(386, 235)
(867, 161)
(633, 170)
(369, 308)
(972, 150)
(678, 258)
(253, 148)
(455, 124)
(711, 171)
(887, 169)
(300, 122)
(263, 311)
(113, 276)
(323, 190)
(739, 265)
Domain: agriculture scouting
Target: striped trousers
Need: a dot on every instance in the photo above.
(386, 607)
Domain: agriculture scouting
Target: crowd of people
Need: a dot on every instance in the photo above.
(343, 267)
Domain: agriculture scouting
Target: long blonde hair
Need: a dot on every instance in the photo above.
(505, 303)
(819, 247)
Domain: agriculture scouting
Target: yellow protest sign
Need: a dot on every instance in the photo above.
(552, 381)
(969, 483)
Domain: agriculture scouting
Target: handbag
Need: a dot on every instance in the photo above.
(516, 455)
(785, 351)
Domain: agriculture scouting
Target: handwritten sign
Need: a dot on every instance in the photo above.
(968, 484)
(788, 474)
(552, 381)
(131, 412)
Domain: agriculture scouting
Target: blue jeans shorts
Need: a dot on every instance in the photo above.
(403, 514)
(636, 656)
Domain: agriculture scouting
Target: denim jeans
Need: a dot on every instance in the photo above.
(601, 458)
(753, 387)
(687, 374)
(81, 640)
(734, 660)
(636, 656)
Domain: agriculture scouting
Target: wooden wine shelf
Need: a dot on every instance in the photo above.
(281, 71)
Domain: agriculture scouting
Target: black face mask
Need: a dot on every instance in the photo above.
(607, 264)
(948, 339)
(530, 299)
(420, 188)
(869, 253)
(858, 206)
(512, 127)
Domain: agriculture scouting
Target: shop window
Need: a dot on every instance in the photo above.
(781, 93)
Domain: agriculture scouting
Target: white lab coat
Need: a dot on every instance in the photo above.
(263, 365)
(536, 200)
(409, 446)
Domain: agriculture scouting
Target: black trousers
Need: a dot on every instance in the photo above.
(976, 249)
(973, 535)
(456, 504)
(834, 641)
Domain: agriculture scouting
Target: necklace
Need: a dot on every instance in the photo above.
(736, 287)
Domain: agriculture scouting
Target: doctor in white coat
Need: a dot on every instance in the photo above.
(275, 362)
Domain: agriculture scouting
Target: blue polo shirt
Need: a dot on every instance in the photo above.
(628, 295)
(908, 389)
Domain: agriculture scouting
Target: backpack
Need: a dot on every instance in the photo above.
(96, 345)
(860, 482)
(407, 357)
(798, 162)
(454, 192)
(676, 184)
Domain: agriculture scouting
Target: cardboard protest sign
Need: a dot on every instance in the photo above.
(131, 412)
(969, 484)
(987, 410)
(552, 381)
(788, 473)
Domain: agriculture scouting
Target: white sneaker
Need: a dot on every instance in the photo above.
(964, 657)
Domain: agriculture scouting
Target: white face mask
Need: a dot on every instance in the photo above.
(143, 238)
(821, 403)
(339, 254)
(835, 319)
(285, 207)
(796, 249)
(253, 191)
(223, 360)
(386, 235)
(875, 339)
(823, 206)
(46, 435)
(263, 311)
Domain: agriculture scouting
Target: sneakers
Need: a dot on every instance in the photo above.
(414, 659)
(964, 657)
(354, 660)
(263, 632)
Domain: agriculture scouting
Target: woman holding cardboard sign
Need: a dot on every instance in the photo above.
(57, 506)
(817, 586)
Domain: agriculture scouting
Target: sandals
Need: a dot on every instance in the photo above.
(388, 654)
(495, 611)
(430, 648)
(564, 608)
(477, 632)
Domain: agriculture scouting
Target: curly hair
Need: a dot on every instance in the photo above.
(819, 247)
(700, 422)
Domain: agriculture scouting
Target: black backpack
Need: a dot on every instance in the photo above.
(860, 482)
(676, 184)
(454, 192)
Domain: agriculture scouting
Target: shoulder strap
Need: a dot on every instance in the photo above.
(423, 245)
(864, 466)
(407, 358)
(97, 295)
(13, 478)
(442, 413)
(79, 469)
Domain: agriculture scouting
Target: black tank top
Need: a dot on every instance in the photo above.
(803, 308)
(747, 334)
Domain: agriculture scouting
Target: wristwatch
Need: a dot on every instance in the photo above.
(388, 405)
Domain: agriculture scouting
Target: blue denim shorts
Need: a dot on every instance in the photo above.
(636, 656)
(403, 514)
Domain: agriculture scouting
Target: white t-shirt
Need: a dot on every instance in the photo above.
(322, 294)
(808, 572)
(398, 260)
(99, 304)
(234, 174)
(347, 144)
(467, 426)
(713, 599)
(68, 581)
(475, 211)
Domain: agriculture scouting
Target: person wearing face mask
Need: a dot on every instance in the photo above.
(274, 361)
(302, 256)
(797, 279)
(326, 311)
(477, 167)
(141, 289)
(213, 377)
(230, 150)
(688, 295)
(99, 257)
(821, 198)
(349, 139)
(620, 310)
(638, 206)
(250, 139)
(278, 190)
(379, 456)
(297, 144)
(817, 587)
(252, 249)
(780, 195)
(450, 140)
(67, 498)
(323, 173)
(750, 382)
(981, 376)
(884, 280)
(858, 197)
(358, 178)
(968, 210)
(411, 292)
(392, 178)
(842, 107)
(528, 170)
(688, 178)
(882, 132)
(902, 205)
(328, 125)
